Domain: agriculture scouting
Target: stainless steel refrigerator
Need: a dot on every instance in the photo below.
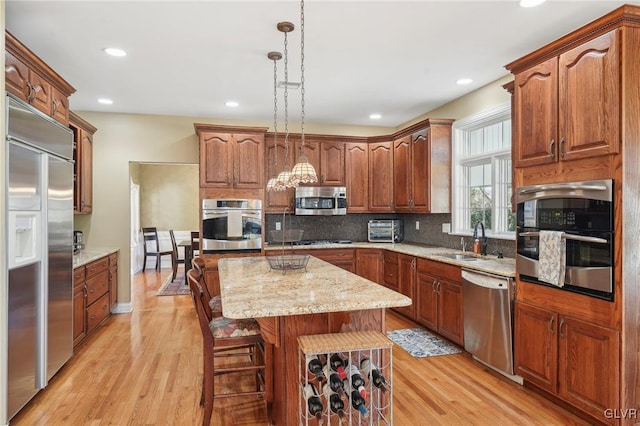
(39, 226)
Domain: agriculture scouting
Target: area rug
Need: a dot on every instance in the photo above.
(174, 288)
(420, 343)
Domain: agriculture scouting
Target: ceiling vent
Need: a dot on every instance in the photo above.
(290, 85)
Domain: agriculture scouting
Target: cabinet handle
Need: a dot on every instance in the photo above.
(433, 285)
(560, 328)
(54, 108)
(413, 264)
(85, 292)
(562, 147)
(30, 93)
(552, 152)
(438, 288)
(553, 320)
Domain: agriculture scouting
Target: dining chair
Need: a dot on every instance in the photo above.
(150, 236)
(175, 256)
(222, 338)
(195, 243)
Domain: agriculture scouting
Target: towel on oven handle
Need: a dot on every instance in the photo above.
(552, 261)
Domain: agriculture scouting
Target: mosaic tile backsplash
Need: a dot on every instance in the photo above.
(354, 227)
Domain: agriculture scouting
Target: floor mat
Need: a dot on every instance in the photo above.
(175, 288)
(420, 343)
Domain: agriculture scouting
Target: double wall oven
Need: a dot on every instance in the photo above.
(583, 212)
(231, 225)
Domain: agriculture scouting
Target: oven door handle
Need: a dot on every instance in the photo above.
(569, 237)
(541, 188)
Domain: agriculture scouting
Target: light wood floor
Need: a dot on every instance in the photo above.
(145, 368)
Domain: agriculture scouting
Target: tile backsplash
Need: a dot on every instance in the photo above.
(354, 227)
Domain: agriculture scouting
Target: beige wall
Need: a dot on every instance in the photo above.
(169, 196)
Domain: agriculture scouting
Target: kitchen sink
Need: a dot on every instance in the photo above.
(457, 256)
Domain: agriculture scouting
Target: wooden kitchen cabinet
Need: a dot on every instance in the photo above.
(278, 201)
(327, 158)
(92, 295)
(390, 270)
(369, 264)
(31, 80)
(83, 166)
(231, 157)
(567, 107)
(439, 302)
(407, 283)
(343, 258)
(356, 165)
(571, 358)
(113, 281)
(381, 177)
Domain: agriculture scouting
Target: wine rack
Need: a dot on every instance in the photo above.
(354, 347)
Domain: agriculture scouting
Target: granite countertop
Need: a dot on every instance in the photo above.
(250, 289)
(89, 255)
(505, 267)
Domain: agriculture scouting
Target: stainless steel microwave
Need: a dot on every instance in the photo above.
(321, 200)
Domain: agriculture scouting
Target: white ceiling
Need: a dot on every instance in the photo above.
(397, 58)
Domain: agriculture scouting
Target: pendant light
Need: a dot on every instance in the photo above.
(284, 178)
(303, 171)
(273, 184)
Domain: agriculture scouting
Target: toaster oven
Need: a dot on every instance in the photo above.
(385, 231)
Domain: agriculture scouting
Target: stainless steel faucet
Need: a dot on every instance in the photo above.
(464, 244)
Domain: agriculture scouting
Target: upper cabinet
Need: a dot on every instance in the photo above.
(231, 157)
(422, 169)
(327, 157)
(356, 166)
(30, 79)
(567, 107)
(381, 177)
(277, 158)
(83, 163)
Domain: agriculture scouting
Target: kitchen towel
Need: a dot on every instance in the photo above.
(553, 256)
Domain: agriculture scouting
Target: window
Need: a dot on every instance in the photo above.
(482, 173)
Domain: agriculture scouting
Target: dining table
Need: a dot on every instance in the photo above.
(188, 254)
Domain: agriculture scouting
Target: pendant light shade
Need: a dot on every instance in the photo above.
(303, 171)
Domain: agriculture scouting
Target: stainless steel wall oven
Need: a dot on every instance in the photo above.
(231, 225)
(583, 211)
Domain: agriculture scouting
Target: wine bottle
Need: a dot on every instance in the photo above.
(315, 367)
(357, 402)
(333, 399)
(335, 382)
(372, 372)
(314, 403)
(357, 381)
(337, 364)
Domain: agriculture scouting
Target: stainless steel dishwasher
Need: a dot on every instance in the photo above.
(488, 319)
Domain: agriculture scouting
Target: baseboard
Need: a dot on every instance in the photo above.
(122, 308)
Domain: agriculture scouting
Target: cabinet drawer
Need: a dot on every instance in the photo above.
(113, 260)
(330, 254)
(78, 275)
(440, 269)
(97, 286)
(390, 257)
(97, 266)
(97, 312)
(391, 276)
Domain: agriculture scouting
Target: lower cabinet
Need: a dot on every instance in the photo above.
(93, 297)
(407, 283)
(369, 264)
(438, 295)
(568, 357)
(343, 258)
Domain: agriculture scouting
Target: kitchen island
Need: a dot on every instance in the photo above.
(319, 299)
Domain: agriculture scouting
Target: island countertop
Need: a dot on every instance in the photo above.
(250, 289)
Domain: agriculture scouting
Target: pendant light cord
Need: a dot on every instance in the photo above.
(302, 75)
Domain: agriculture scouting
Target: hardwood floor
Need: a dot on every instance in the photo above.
(145, 368)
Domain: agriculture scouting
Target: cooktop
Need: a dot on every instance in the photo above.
(319, 242)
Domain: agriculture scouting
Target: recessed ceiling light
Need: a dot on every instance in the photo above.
(105, 101)
(232, 104)
(463, 81)
(375, 116)
(114, 51)
(531, 3)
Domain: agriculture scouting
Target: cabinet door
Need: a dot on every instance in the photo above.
(41, 93)
(536, 346)
(369, 264)
(420, 172)
(113, 287)
(248, 161)
(277, 201)
(427, 300)
(216, 160)
(79, 313)
(536, 115)
(332, 163)
(407, 283)
(402, 174)
(589, 373)
(59, 107)
(450, 316)
(86, 172)
(356, 166)
(381, 177)
(589, 97)
(16, 76)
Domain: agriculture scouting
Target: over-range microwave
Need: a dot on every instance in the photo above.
(321, 200)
